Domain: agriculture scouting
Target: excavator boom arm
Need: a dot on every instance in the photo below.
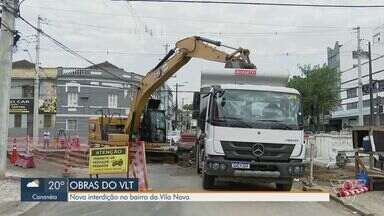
(191, 47)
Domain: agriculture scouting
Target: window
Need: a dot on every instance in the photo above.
(71, 124)
(27, 91)
(352, 93)
(381, 85)
(17, 121)
(366, 89)
(92, 127)
(352, 106)
(256, 109)
(112, 101)
(72, 99)
(47, 121)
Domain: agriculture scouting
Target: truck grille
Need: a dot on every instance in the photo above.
(243, 151)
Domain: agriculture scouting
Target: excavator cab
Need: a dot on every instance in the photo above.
(153, 124)
(153, 127)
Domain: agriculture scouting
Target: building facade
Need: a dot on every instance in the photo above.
(333, 57)
(22, 92)
(347, 114)
(90, 92)
(69, 96)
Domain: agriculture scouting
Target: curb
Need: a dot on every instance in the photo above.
(15, 178)
(22, 208)
(359, 209)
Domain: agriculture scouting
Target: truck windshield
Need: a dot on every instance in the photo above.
(256, 109)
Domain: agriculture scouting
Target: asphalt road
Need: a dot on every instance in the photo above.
(171, 178)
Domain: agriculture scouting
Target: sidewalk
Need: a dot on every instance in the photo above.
(368, 203)
(10, 187)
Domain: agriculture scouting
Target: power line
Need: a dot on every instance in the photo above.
(258, 3)
(58, 43)
(190, 20)
(130, 30)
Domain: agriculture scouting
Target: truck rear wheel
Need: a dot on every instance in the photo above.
(208, 181)
(284, 186)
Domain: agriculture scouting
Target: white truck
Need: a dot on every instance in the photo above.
(250, 128)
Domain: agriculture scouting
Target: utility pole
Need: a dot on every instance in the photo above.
(371, 87)
(378, 104)
(7, 27)
(36, 87)
(360, 82)
(177, 104)
(165, 92)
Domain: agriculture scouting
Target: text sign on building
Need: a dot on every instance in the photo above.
(20, 106)
(245, 72)
(108, 160)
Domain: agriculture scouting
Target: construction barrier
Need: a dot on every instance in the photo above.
(137, 165)
(21, 143)
(66, 159)
(351, 187)
(25, 161)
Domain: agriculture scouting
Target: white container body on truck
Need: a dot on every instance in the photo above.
(251, 128)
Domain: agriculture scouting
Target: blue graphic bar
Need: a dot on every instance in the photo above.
(44, 189)
(56, 189)
(102, 184)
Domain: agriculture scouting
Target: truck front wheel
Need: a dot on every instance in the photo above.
(208, 181)
(284, 186)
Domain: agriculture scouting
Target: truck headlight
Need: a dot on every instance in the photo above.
(215, 166)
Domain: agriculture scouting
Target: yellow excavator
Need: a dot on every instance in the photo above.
(150, 127)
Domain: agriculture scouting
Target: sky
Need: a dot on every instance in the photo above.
(133, 35)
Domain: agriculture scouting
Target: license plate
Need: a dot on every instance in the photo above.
(238, 165)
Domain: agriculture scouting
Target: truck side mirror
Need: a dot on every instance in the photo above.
(196, 105)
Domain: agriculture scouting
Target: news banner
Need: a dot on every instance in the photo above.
(126, 189)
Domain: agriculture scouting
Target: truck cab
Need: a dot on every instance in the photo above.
(250, 128)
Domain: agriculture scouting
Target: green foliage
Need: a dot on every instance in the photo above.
(318, 86)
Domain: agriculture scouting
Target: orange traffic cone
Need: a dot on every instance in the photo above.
(14, 152)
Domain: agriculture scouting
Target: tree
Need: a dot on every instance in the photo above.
(318, 86)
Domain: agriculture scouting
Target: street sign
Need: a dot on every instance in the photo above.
(20, 106)
(108, 160)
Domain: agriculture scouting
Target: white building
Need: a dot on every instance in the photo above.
(347, 113)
